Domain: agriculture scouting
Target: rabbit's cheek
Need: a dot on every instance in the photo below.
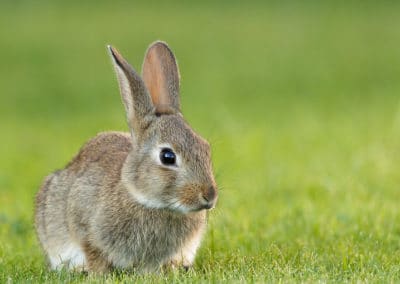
(167, 177)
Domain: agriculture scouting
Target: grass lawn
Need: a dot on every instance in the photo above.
(301, 103)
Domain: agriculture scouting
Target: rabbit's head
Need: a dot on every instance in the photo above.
(169, 165)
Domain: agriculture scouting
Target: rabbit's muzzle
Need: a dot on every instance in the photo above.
(196, 197)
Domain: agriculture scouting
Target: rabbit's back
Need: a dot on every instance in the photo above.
(107, 152)
(67, 196)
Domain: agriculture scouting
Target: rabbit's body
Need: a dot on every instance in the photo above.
(78, 229)
(132, 200)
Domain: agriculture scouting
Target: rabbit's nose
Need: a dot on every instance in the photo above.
(210, 194)
(210, 197)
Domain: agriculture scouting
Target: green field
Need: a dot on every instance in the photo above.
(301, 103)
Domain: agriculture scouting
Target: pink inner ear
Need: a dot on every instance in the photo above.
(155, 80)
(161, 77)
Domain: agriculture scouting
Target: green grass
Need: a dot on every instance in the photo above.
(300, 101)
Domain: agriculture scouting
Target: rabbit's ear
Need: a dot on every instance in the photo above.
(161, 77)
(134, 94)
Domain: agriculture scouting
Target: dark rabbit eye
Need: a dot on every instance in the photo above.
(167, 157)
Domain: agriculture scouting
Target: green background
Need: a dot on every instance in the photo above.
(300, 102)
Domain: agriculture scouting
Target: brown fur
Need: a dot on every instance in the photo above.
(115, 205)
(96, 261)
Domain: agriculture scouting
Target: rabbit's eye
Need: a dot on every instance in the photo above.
(167, 157)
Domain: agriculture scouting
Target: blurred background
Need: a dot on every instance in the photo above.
(299, 100)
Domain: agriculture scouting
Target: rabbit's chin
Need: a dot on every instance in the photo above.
(184, 209)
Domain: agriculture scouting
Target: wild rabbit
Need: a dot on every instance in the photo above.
(132, 201)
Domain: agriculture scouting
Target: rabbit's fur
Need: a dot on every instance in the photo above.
(116, 205)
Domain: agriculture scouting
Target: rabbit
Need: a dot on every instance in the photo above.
(133, 201)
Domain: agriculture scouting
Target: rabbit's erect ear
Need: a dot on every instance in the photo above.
(134, 94)
(161, 77)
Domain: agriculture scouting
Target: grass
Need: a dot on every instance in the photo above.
(300, 101)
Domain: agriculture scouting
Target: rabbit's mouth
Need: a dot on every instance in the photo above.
(207, 202)
(208, 206)
(185, 206)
